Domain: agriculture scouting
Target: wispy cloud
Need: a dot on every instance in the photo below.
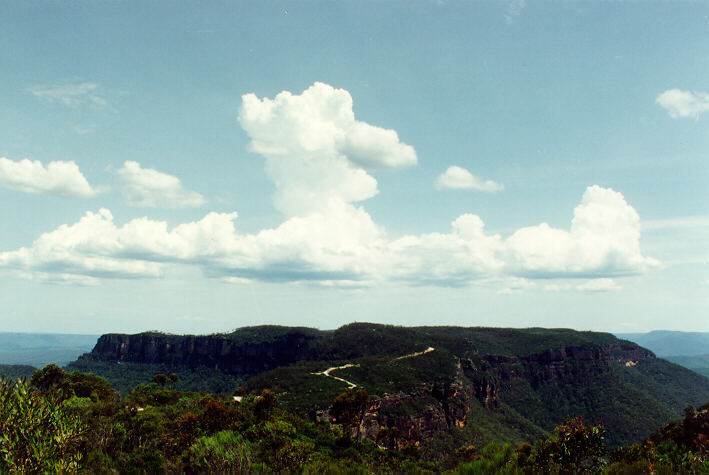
(71, 94)
(680, 103)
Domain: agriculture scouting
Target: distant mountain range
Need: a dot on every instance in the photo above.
(671, 343)
(689, 349)
(40, 349)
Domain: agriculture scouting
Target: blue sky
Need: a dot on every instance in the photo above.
(201, 167)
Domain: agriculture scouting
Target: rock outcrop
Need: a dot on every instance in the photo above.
(233, 356)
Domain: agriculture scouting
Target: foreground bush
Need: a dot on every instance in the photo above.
(224, 452)
(37, 434)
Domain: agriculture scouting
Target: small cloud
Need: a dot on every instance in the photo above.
(458, 178)
(71, 94)
(680, 103)
(58, 178)
(599, 285)
(148, 188)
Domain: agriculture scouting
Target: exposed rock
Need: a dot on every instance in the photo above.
(213, 351)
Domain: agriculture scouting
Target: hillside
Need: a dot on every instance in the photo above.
(16, 371)
(440, 386)
(698, 364)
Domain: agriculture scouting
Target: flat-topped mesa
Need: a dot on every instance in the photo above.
(239, 353)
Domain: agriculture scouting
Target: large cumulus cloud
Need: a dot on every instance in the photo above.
(320, 159)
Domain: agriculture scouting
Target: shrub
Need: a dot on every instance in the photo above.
(224, 452)
(37, 434)
(573, 447)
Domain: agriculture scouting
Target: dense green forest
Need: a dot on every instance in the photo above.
(72, 421)
(516, 384)
(16, 371)
(364, 398)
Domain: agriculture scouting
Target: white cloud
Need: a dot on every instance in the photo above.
(148, 188)
(58, 178)
(318, 157)
(599, 285)
(343, 246)
(72, 94)
(316, 152)
(87, 248)
(680, 103)
(457, 178)
(604, 240)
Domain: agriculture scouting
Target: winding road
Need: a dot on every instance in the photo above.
(350, 384)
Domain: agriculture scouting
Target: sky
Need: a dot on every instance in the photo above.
(202, 166)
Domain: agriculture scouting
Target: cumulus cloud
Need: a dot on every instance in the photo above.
(71, 94)
(680, 103)
(458, 178)
(604, 240)
(316, 152)
(87, 248)
(58, 178)
(148, 188)
(312, 248)
(344, 247)
(319, 158)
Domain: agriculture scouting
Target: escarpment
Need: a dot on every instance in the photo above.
(421, 415)
(429, 384)
(233, 354)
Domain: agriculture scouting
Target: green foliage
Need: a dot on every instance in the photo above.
(572, 448)
(160, 379)
(16, 371)
(37, 434)
(678, 447)
(53, 380)
(156, 429)
(224, 452)
(348, 407)
(495, 458)
(264, 404)
(125, 376)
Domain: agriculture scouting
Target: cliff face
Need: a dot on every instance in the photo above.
(417, 417)
(213, 351)
(431, 385)
(394, 421)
